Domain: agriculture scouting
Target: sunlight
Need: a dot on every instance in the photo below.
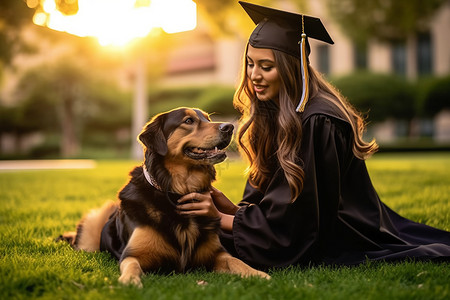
(118, 22)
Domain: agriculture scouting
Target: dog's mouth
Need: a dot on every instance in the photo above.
(214, 155)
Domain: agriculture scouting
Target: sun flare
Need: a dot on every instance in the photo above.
(117, 22)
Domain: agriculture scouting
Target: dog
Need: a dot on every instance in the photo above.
(143, 229)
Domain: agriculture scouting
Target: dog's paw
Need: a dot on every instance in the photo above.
(250, 272)
(131, 280)
(261, 274)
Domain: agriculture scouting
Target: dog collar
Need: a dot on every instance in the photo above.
(150, 179)
(153, 182)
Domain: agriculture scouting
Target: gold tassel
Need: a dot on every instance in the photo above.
(304, 69)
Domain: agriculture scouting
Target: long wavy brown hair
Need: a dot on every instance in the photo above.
(270, 132)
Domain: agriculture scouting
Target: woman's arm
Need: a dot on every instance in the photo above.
(226, 222)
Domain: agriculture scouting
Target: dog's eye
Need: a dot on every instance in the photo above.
(189, 121)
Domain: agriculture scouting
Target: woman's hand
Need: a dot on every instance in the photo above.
(198, 204)
(205, 204)
(222, 203)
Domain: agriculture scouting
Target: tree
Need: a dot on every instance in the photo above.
(51, 101)
(13, 15)
(223, 19)
(382, 19)
(65, 100)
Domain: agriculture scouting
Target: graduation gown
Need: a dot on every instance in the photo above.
(338, 217)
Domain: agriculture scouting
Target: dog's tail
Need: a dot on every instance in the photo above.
(89, 229)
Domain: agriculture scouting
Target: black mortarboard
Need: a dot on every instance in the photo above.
(286, 32)
(282, 30)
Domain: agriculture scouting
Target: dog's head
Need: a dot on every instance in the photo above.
(185, 138)
(187, 135)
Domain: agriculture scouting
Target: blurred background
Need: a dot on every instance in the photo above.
(79, 78)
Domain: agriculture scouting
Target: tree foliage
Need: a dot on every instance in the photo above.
(13, 14)
(226, 17)
(65, 100)
(67, 7)
(382, 19)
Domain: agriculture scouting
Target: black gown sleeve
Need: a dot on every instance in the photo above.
(251, 195)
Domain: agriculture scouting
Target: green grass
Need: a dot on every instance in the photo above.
(36, 206)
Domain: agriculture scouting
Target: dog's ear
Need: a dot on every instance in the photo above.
(152, 136)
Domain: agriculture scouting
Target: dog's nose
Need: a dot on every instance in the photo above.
(226, 127)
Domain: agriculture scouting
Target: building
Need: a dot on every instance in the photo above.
(203, 60)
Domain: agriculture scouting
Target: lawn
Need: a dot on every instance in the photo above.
(36, 206)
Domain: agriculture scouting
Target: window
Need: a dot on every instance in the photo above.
(360, 56)
(324, 59)
(399, 57)
(424, 54)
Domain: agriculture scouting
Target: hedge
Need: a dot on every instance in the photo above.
(381, 96)
(435, 96)
(215, 98)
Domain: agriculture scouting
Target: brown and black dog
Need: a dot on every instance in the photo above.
(143, 228)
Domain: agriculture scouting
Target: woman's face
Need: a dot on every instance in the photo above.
(263, 74)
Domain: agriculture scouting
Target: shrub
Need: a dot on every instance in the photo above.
(436, 96)
(49, 149)
(381, 96)
(8, 117)
(218, 99)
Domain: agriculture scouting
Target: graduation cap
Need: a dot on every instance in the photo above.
(286, 32)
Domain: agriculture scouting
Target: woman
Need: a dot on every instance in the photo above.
(309, 198)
